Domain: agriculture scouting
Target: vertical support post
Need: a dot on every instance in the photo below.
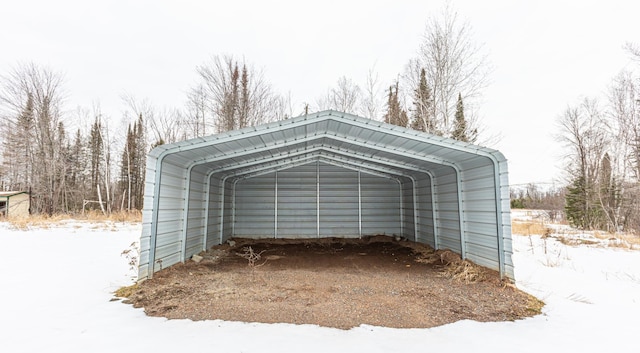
(499, 223)
(206, 214)
(359, 205)
(275, 221)
(233, 208)
(434, 212)
(415, 210)
(463, 240)
(318, 199)
(222, 196)
(401, 209)
(185, 217)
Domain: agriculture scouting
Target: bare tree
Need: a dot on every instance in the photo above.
(195, 117)
(454, 64)
(372, 102)
(624, 98)
(31, 99)
(633, 49)
(624, 126)
(583, 132)
(237, 94)
(345, 97)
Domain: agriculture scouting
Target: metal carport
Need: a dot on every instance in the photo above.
(327, 174)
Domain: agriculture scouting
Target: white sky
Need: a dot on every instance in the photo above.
(545, 54)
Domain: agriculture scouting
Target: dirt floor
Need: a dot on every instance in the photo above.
(332, 282)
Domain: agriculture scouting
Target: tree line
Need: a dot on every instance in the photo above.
(602, 140)
(71, 161)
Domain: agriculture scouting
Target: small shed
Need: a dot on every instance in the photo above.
(327, 174)
(14, 204)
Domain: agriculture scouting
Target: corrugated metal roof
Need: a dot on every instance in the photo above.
(468, 182)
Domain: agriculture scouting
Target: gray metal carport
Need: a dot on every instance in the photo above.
(327, 174)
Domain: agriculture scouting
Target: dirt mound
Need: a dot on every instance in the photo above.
(331, 282)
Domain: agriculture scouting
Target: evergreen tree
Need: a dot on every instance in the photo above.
(243, 104)
(95, 152)
(422, 119)
(132, 167)
(461, 130)
(395, 114)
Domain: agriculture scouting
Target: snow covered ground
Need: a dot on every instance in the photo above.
(56, 285)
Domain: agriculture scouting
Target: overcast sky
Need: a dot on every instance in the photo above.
(545, 54)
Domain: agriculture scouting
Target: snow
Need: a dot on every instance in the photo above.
(57, 283)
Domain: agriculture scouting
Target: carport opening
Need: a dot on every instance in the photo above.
(321, 200)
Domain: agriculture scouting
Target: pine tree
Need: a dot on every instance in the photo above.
(243, 104)
(395, 114)
(132, 166)
(461, 130)
(95, 152)
(422, 119)
(576, 203)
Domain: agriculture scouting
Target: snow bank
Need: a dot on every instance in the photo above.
(57, 284)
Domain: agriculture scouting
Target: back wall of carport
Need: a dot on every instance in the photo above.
(327, 174)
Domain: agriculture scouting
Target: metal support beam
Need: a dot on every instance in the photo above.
(415, 209)
(185, 217)
(401, 209)
(318, 199)
(499, 223)
(206, 212)
(359, 205)
(463, 240)
(434, 212)
(222, 204)
(275, 220)
(233, 208)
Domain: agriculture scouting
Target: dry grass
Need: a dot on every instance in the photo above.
(620, 240)
(465, 271)
(45, 221)
(128, 291)
(529, 228)
(534, 305)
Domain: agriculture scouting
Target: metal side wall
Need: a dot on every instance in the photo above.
(407, 208)
(170, 210)
(447, 209)
(213, 209)
(255, 210)
(196, 214)
(481, 214)
(425, 210)
(289, 208)
(339, 202)
(297, 202)
(380, 206)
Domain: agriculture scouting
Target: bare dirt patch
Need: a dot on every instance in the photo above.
(339, 283)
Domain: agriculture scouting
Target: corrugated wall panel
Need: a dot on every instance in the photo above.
(425, 210)
(196, 217)
(380, 205)
(227, 229)
(338, 201)
(297, 202)
(255, 207)
(170, 215)
(408, 222)
(213, 216)
(447, 210)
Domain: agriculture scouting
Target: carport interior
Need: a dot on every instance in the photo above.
(328, 174)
